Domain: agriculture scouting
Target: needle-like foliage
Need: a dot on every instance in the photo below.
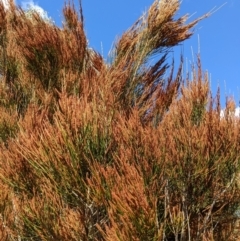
(122, 150)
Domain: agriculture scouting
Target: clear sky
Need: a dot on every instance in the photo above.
(218, 36)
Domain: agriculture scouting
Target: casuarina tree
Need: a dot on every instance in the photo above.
(123, 149)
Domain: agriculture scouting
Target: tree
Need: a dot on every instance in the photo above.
(111, 151)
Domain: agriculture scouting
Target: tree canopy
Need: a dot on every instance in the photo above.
(119, 150)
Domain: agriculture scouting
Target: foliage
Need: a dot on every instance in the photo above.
(124, 150)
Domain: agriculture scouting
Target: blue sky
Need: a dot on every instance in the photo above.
(218, 36)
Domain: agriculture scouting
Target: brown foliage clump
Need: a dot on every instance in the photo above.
(123, 150)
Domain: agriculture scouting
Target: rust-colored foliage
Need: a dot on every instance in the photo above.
(123, 150)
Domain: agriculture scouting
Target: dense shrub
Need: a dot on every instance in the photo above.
(123, 150)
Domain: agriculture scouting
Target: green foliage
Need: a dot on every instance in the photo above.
(45, 57)
(7, 130)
